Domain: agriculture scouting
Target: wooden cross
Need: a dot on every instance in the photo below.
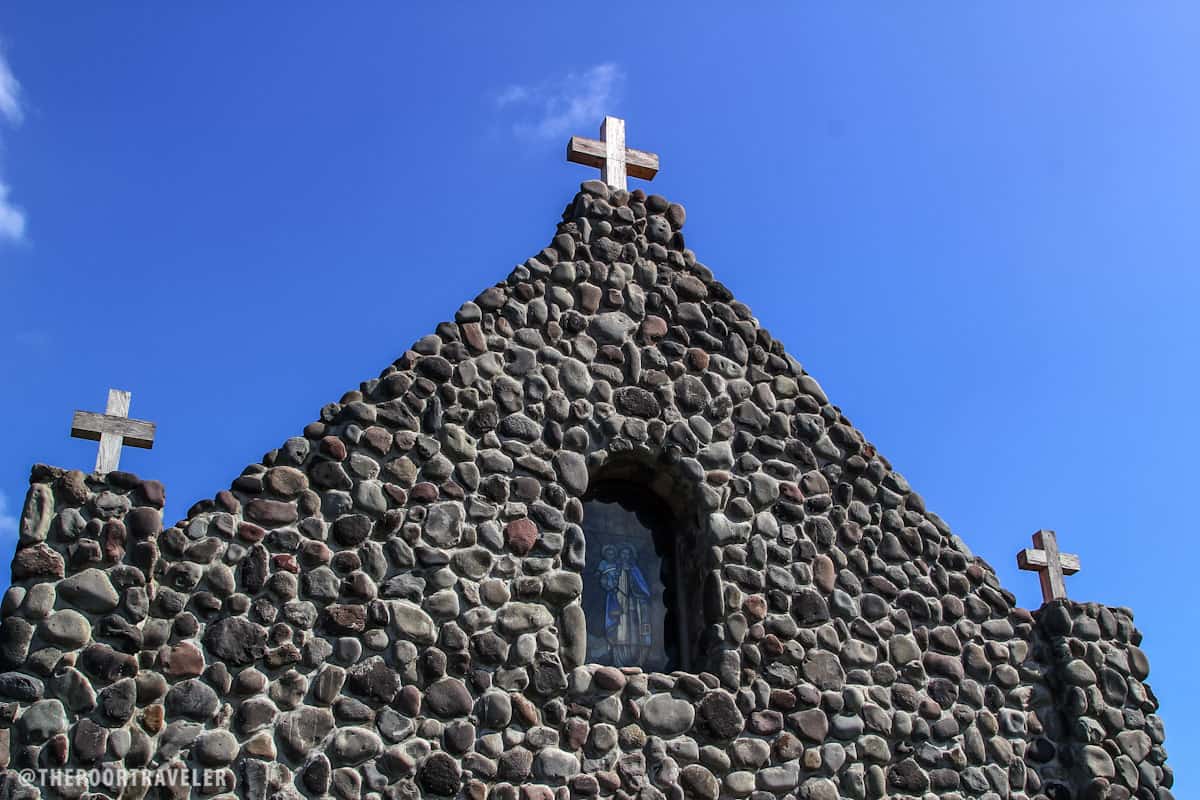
(1050, 564)
(610, 154)
(112, 429)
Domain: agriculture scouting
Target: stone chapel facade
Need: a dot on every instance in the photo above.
(395, 604)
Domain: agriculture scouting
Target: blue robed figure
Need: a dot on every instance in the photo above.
(626, 607)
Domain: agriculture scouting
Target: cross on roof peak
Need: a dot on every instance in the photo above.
(610, 154)
(1050, 564)
(113, 429)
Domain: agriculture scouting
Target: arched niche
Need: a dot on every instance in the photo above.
(643, 573)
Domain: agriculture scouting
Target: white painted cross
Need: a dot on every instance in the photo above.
(1049, 564)
(112, 429)
(610, 154)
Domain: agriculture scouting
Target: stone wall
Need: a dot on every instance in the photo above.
(1109, 736)
(388, 605)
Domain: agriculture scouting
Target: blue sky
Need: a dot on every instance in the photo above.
(975, 224)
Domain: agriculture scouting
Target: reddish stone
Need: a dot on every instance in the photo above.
(525, 710)
(333, 447)
(249, 532)
(316, 552)
(153, 493)
(473, 336)
(771, 645)
(782, 699)
(152, 719)
(227, 501)
(409, 700)
(424, 492)
(577, 733)
(521, 534)
(73, 487)
(824, 573)
(609, 678)
(286, 562)
(766, 723)
(609, 781)
(791, 491)
(378, 439)
(112, 539)
(271, 512)
(346, 618)
(58, 749)
(184, 660)
(285, 481)
(37, 561)
(756, 606)
(396, 493)
(589, 298)
(697, 359)
(654, 327)
(143, 522)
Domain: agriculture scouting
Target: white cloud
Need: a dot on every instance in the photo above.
(8, 519)
(572, 104)
(12, 218)
(10, 94)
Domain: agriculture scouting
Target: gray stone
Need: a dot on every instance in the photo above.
(572, 471)
(907, 776)
(448, 697)
(89, 741)
(215, 748)
(301, 730)
(517, 618)
(443, 524)
(177, 736)
(90, 590)
(70, 686)
(782, 778)
(719, 715)
(440, 774)
(667, 715)
(374, 679)
(235, 640)
(410, 622)
(353, 746)
(192, 699)
(611, 327)
(43, 719)
(818, 789)
(699, 783)
(824, 669)
(19, 686)
(555, 765)
(117, 701)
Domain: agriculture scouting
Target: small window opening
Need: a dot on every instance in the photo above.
(634, 599)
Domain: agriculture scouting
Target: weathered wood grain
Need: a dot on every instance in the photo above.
(610, 155)
(1049, 564)
(113, 429)
(135, 432)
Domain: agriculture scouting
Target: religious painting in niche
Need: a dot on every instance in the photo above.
(628, 593)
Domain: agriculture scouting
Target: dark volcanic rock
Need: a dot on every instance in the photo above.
(235, 640)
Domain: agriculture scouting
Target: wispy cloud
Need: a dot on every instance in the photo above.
(12, 218)
(574, 103)
(8, 519)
